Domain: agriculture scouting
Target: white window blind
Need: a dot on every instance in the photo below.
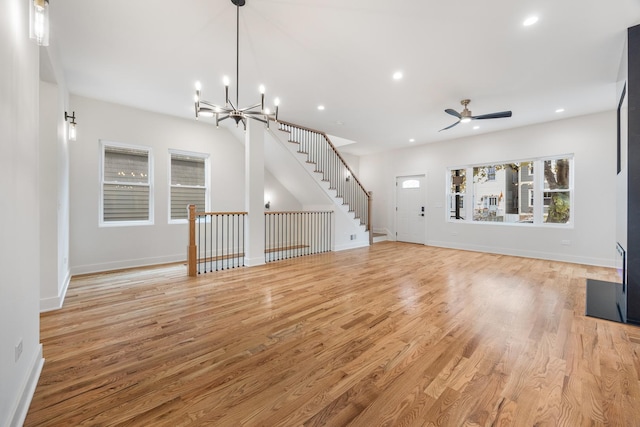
(126, 184)
(188, 184)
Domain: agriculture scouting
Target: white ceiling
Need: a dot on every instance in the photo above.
(342, 54)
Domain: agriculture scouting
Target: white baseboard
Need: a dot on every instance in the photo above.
(253, 262)
(55, 303)
(598, 262)
(356, 244)
(130, 263)
(28, 389)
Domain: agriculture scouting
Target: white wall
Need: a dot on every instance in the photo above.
(298, 176)
(592, 139)
(19, 213)
(54, 197)
(95, 248)
(275, 192)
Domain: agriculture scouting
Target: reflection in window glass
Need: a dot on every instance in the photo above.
(126, 184)
(557, 200)
(512, 193)
(188, 183)
(457, 193)
(497, 194)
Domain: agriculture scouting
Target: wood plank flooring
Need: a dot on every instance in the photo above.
(390, 335)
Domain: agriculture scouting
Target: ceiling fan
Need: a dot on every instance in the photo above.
(465, 115)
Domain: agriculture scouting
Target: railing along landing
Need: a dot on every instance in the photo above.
(216, 241)
(294, 234)
(322, 153)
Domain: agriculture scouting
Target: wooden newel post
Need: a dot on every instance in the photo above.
(192, 248)
(369, 210)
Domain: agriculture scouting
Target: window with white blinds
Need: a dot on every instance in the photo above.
(126, 185)
(188, 183)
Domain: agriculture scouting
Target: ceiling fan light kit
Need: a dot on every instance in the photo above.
(465, 116)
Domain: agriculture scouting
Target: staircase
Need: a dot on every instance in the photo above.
(327, 161)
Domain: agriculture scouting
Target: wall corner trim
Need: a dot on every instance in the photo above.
(55, 303)
(28, 390)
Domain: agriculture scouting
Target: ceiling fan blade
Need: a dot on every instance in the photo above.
(454, 113)
(499, 115)
(449, 127)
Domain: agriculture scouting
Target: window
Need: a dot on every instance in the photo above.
(457, 191)
(557, 191)
(491, 173)
(411, 183)
(496, 192)
(189, 183)
(530, 198)
(507, 192)
(126, 175)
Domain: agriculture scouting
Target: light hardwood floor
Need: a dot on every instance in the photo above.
(390, 335)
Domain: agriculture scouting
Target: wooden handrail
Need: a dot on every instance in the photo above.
(294, 212)
(220, 213)
(333, 147)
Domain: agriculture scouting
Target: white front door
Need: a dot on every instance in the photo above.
(411, 209)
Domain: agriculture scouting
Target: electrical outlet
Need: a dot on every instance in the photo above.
(566, 242)
(353, 237)
(18, 350)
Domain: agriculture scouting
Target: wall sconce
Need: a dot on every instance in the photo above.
(71, 126)
(267, 205)
(348, 178)
(39, 21)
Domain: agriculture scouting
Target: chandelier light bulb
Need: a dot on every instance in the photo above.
(276, 102)
(230, 109)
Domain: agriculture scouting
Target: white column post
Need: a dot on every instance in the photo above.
(254, 193)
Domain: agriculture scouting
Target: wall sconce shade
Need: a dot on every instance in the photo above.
(267, 205)
(71, 126)
(39, 21)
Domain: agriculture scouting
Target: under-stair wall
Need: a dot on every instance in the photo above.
(323, 166)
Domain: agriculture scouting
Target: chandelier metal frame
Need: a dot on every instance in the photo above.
(229, 109)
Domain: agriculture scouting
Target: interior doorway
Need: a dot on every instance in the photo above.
(411, 209)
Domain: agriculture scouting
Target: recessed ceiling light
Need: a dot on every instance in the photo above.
(397, 75)
(530, 21)
(560, 110)
(320, 107)
(476, 127)
(412, 140)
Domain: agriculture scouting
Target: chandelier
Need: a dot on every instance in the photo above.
(229, 109)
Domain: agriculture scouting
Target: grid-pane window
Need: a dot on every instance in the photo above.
(512, 193)
(188, 183)
(457, 190)
(126, 184)
(557, 191)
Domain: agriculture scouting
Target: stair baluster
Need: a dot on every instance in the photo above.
(321, 152)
